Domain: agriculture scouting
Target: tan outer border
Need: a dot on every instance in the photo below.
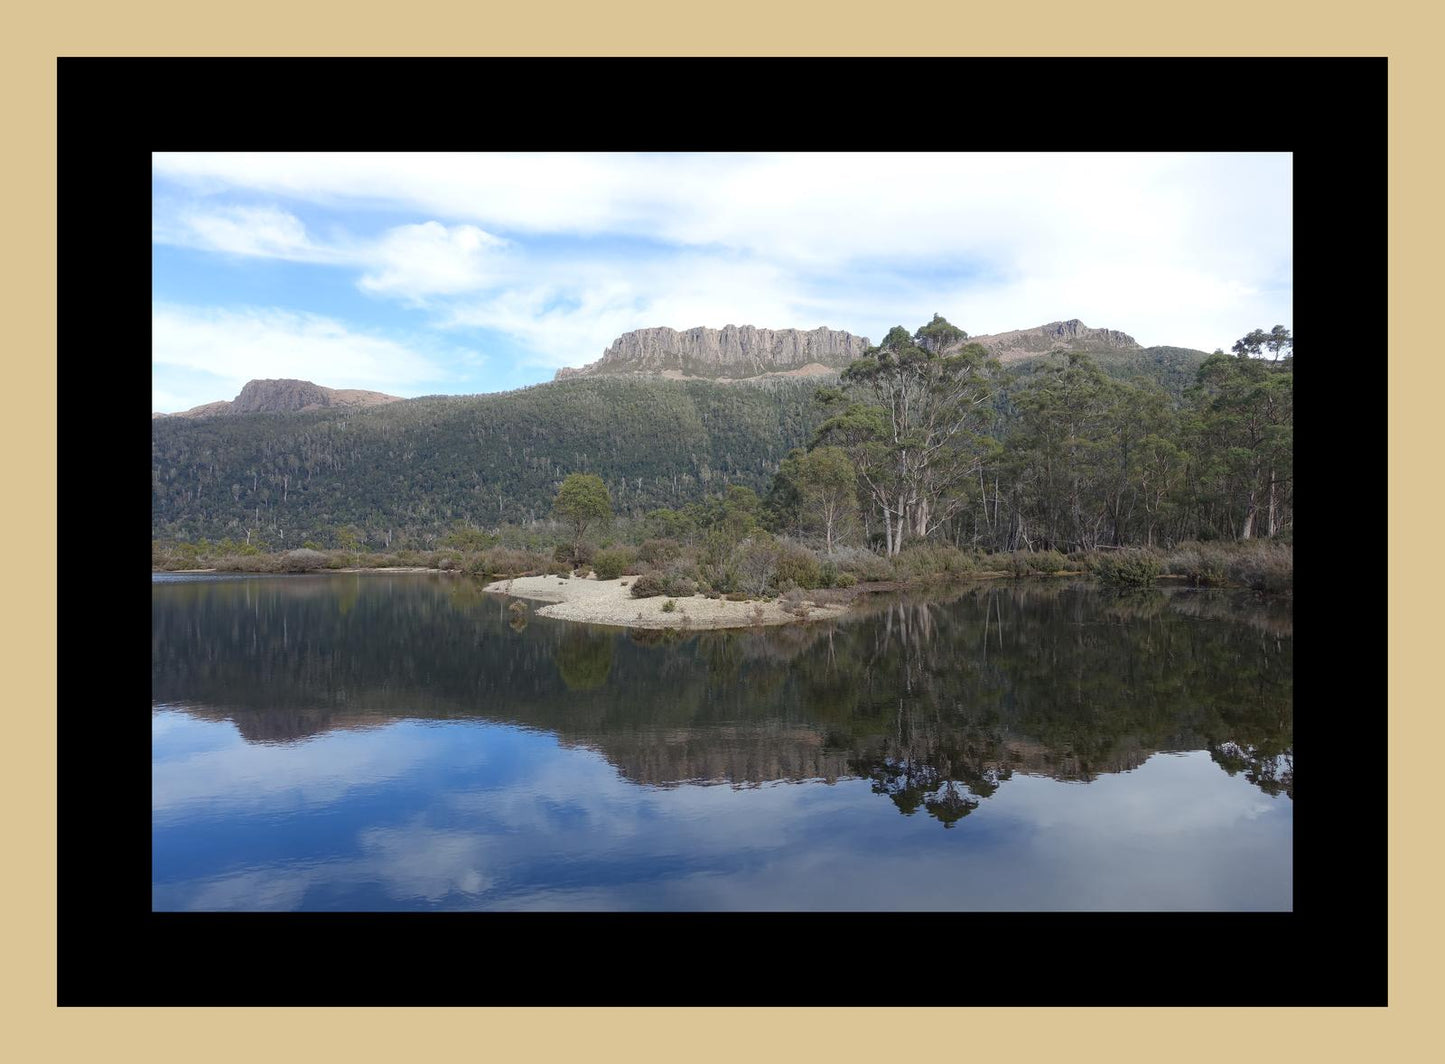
(35, 35)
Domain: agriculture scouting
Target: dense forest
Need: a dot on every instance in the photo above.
(409, 473)
(947, 445)
(414, 469)
(925, 438)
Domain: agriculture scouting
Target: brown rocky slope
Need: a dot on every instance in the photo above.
(285, 396)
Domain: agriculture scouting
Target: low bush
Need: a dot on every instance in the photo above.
(1202, 564)
(931, 561)
(863, 565)
(1262, 565)
(649, 585)
(669, 606)
(680, 586)
(798, 566)
(658, 552)
(1131, 568)
(614, 562)
(563, 552)
(302, 560)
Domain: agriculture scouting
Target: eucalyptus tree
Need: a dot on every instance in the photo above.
(1243, 428)
(911, 419)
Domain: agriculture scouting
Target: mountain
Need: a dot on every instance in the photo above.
(658, 417)
(285, 396)
(423, 464)
(1071, 335)
(731, 353)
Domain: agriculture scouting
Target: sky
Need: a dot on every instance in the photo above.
(426, 274)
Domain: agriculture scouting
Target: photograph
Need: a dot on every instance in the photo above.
(722, 532)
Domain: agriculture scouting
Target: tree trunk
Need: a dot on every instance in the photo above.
(1273, 512)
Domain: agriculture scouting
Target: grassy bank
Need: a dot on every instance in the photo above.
(762, 566)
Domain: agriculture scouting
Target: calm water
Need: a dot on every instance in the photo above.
(372, 742)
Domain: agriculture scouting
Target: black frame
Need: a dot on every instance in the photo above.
(1331, 113)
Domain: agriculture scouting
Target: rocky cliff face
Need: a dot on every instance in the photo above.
(733, 352)
(285, 396)
(1071, 335)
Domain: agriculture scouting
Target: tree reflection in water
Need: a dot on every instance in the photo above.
(937, 701)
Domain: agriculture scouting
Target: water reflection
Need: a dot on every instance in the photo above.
(933, 700)
(371, 741)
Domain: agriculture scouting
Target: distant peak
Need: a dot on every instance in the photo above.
(281, 395)
(732, 352)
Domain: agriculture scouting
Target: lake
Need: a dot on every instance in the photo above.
(404, 742)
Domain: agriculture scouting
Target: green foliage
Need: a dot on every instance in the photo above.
(931, 561)
(1065, 452)
(649, 585)
(658, 552)
(1129, 568)
(797, 567)
(582, 502)
(614, 562)
(466, 538)
(669, 606)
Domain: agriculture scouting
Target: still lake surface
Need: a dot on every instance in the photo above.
(401, 742)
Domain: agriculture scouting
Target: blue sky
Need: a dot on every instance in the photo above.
(464, 273)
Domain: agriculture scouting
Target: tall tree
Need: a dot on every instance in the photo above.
(913, 428)
(829, 487)
(1244, 427)
(582, 501)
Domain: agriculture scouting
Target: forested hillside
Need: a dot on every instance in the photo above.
(409, 471)
(421, 465)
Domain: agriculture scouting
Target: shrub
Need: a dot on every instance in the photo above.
(302, 560)
(658, 552)
(563, 552)
(1047, 561)
(612, 563)
(669, 606)
(931, 560)
(508, 561)
(863, 565)
(798, 566)
(755, 563)
(1202, 564)
(1127, 568)
(844, 580)
(1262, 565)
(648, 585)
(680, 586)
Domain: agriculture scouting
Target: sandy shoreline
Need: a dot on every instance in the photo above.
(308, 572)
(610, 602)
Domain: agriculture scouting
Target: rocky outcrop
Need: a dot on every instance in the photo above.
(1071, 335)
(285, 396)
(733, 352)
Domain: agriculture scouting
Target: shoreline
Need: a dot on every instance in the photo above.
(309, 572)
(610, 603)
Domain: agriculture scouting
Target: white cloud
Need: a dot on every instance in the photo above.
(223, 349)
(1173, 248)
(415, 261)
(258, 231)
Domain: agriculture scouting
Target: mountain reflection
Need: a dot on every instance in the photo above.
(939, 701)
